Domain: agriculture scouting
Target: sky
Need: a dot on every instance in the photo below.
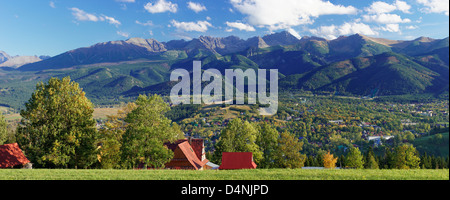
(44, 27)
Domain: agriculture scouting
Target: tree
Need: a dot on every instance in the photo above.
(288, 152)
(354, 159)
(267, 140)
(3, 130)
(406, 157)
(329, 161)
(409, 136)
(425, 161)
(387, 159)
(57, 129)
(238, 136)
(341, 161)
(147, 131)
(370, 162)
(111, 138)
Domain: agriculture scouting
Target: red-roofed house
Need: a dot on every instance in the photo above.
(12, 156)
(188, 154)
(237, 160)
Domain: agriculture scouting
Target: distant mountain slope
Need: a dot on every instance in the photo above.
(384, 74)
(282, 39)
(354, 46)
(288, 62)
(116, 51)
(420, 46)
(4, 57)
(18, 61)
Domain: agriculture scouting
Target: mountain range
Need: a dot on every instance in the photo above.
(342, 48)
(349, 65)
(18, 61)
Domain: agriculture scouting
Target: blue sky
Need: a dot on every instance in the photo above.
(44, 27)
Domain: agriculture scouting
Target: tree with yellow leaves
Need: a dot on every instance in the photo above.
(329, 161)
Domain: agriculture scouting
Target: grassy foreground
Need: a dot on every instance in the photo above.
(258, 174)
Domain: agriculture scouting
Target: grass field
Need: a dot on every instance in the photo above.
(103, 113)
(258, 174)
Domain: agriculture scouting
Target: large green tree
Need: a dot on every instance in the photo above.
(238, 136)
(267, 140)
(354, 159)
(288, 152)
(147, 131)
(3, 129)
(406, 157)
(57, 129)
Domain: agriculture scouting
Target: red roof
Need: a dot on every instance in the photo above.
(196, 144)
(237, 160)
(173, 146)
(191, 156)
(11, 155)
(188, 154)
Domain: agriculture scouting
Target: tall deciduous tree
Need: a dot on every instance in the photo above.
(288, 152)
(238, 136)
(57, 128)
(267, 140)
(147, 131)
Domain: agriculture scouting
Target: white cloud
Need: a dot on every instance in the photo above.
(111, 20)
(123, 34)
(333, 31)
(241, 26)
(380, 7)
(276, 15)
(81, 15)
(52, 4)
(199, 26)
(412, 27)
(385, 18)
(435, 6)
(161, 6)
(380, 13)
(403, 6)
(148, 23)
(391, 28)
(196, 7)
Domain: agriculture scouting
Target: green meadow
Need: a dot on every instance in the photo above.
(257, 174)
